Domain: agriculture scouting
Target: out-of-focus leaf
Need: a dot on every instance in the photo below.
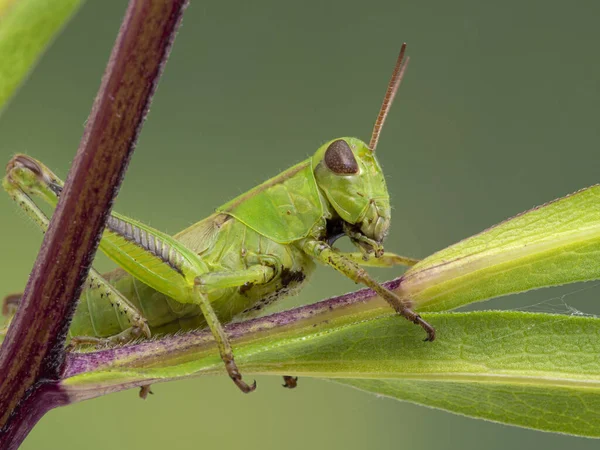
(26, 28)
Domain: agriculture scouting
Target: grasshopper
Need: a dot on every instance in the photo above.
(252, 251)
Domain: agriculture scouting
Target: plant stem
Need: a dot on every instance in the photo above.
(33, 353)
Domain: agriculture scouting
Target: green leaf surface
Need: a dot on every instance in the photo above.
(26, 29)
(561, 409)
(550, 245)
(538, 371)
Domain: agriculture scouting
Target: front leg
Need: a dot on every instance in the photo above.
(325, 254)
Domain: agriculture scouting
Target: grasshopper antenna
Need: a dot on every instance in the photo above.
(392, 88)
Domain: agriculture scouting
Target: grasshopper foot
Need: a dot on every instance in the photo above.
(244, 387)
(145, 390)
(122, 338)
(236, 376)
(10, 304)
(80, 341)
(415, 318)
(428, 328)
(290, 382)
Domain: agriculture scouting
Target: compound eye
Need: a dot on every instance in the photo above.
(340, 159)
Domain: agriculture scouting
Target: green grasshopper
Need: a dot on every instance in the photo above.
(251, 251)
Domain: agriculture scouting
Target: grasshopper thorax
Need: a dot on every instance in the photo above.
(350, 177)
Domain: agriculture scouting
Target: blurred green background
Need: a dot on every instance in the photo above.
(498, 113)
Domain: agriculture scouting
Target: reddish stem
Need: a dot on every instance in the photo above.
(32, 355)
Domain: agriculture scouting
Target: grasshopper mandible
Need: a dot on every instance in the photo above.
(251, 251)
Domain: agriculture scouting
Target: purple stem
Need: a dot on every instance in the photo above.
(171, 347)
(32, 355)
(139, 360)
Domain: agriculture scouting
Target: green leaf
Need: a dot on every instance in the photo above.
(26, 29)
(538, 371)
(553, 244)
(534, 371)
(560, 409)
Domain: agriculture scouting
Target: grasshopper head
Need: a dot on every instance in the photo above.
(348, 174)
